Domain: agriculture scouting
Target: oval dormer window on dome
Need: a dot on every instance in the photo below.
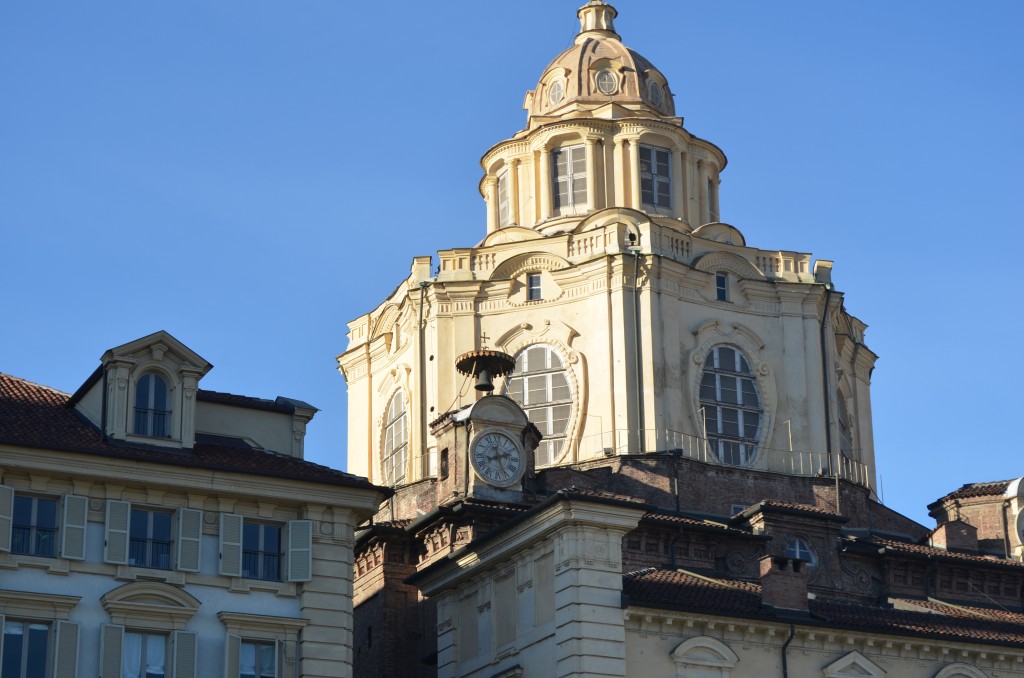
(654, 93)
(555, 93)
(152, 407)
(606, 82)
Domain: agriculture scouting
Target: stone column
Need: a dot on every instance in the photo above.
(592, 172)
(702, 191)
(634, 172)
(684, 187)
(545, 185)
(513, 193)
(678, 195)
(491, 191)
(619, 170)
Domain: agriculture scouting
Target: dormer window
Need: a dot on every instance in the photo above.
(606, 82)
(152, 407)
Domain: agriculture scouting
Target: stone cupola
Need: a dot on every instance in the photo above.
(601, 132)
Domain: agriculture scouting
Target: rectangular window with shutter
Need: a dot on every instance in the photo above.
(47, 527)
(261, 551)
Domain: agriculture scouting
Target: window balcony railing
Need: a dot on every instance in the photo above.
(261, 565)
(34, 541)
(152, 553)
(153, 423)
(791, 462)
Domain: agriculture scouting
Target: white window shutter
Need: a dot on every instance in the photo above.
(65, 650)
(300, 550)
(73, 527)
(184, 646)
(190, 534)
(111, 644)
(115, 547)
(232, 655)
(6, 517)
(231, 545)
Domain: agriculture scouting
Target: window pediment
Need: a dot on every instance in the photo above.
(150, 605)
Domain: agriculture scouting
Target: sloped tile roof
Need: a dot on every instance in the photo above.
(37, 416)
(791, 507)
(244, 401)
(682, 590)
(932, 552)
(661, 518)
(970, 490)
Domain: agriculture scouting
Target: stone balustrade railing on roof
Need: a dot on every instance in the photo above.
(467, 263)
(789, 462)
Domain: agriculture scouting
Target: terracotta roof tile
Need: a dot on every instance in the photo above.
(36, 416)
(787, 507)
(678, 589)
(681, 589)
(696, 523)
(932, 552)
(952, 622)
(977, 490)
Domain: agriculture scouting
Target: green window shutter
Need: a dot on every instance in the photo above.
(73, 527)
(6, 517)
(190, 534)
(232, 654)
(65, 650)
(184, 647)
(111, 644)
(300, 550)
(115, 547)
(231, 545)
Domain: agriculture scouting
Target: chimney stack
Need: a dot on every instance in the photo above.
(784, 583)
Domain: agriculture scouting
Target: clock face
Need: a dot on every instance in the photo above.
(496, 457)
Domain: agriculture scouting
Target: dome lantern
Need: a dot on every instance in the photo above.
(596, 17)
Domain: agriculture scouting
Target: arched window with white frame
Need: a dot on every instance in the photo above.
(152, 407)
(731, 406)
(540, 384)
(396, 441)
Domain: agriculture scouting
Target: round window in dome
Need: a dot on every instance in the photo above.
(654, 93)
(606, 82)
(555, 93)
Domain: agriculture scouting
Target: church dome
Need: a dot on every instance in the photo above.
(598, 70)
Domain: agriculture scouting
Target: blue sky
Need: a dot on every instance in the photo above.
(252, 175)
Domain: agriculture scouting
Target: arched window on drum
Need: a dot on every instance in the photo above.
(396, 442)
(731, 406)
(540, 385)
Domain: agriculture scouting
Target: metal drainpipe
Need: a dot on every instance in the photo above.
(785, 646)
(635, 249)
(826, 392)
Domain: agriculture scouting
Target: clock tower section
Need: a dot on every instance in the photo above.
(487, 448)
